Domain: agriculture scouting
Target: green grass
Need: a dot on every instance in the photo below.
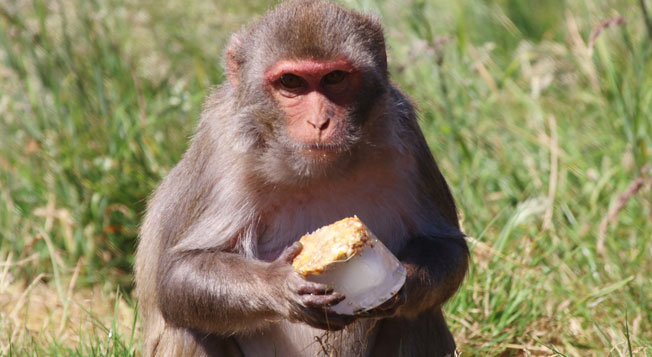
(539, 129)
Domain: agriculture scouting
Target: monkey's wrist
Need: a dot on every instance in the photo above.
(276, 288)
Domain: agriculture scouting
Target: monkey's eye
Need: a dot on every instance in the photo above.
(334, 77)
(291, 81)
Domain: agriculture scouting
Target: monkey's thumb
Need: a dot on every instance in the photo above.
(290, 252)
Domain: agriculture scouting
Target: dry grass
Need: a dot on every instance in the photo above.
(39, 313)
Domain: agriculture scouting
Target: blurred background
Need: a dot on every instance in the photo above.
(539, 113)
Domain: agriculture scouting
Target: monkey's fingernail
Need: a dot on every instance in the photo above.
(334, 302)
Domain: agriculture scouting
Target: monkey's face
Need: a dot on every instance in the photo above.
(315, 98)
(321, 112)
(310, 73)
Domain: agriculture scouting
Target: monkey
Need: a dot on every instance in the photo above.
(306, 129)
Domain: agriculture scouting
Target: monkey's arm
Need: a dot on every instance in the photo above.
(435, 269)
(435, 262)
(226, 293)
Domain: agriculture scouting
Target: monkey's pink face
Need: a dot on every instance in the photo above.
(316, 97)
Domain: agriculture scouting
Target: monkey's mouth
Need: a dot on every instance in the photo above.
(321, 152)
(323, 147)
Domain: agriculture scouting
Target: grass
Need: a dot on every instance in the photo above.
(539, 114)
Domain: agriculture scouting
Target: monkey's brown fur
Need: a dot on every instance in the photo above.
(212, 269)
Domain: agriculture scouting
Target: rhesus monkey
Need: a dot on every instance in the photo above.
(307, 130)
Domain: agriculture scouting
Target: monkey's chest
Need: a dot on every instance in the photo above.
(386, 209)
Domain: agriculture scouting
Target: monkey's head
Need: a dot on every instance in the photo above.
(308, 77)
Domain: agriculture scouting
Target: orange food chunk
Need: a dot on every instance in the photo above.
(336, 242)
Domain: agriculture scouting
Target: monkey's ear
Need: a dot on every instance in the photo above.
(234, 60)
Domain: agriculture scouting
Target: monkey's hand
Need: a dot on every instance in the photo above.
(304, 301)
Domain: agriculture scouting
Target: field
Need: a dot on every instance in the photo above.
(539, 113)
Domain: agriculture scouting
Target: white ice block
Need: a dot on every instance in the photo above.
(367, 279)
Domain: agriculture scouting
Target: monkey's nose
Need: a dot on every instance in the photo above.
(320, 124)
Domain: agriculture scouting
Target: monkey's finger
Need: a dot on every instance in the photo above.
(321, 301)
(327, 320)
(311, 317)
(336, 321)
(387, 309)
(325, 326)
(313, 288)
(290, 252)
(376, 313)
(392, 304)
